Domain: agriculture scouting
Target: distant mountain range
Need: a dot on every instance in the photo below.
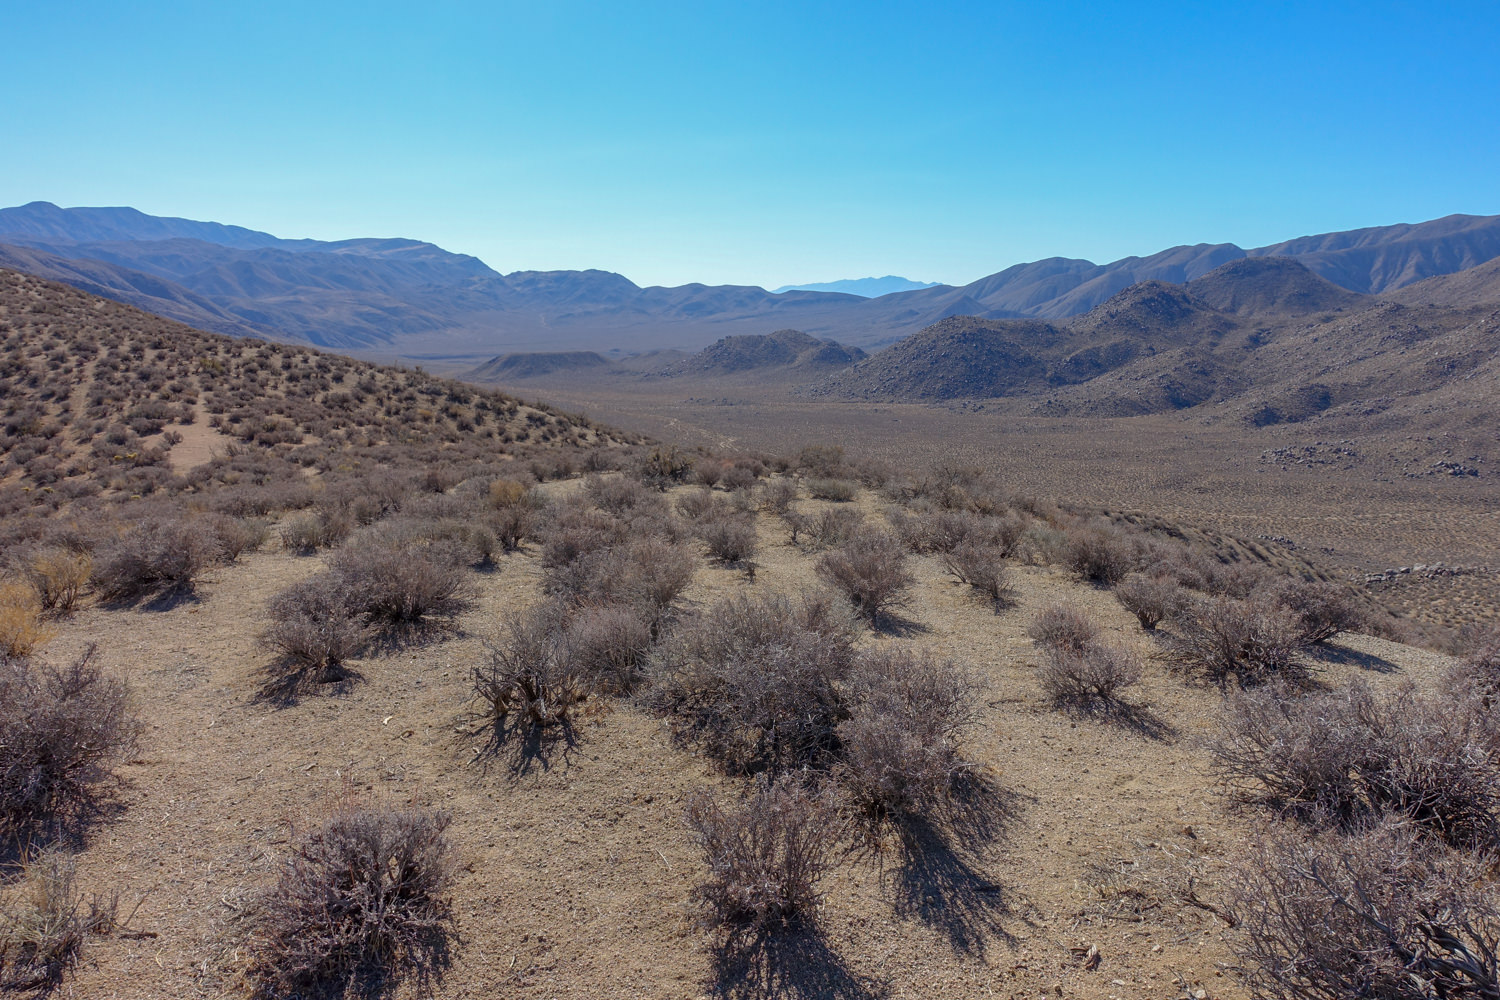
(865, 288)
(401, 296)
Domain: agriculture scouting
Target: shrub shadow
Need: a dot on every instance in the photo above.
(899, 626)
(936, 876)
(1138, 719)
(522, 749)
(286, 682)
(1331, 655)
(157, 601)
(792, 963)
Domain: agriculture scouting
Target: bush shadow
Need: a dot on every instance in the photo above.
(936, 874)
(285, 682)
(793, 962)
(1332, 655)
(521, 749)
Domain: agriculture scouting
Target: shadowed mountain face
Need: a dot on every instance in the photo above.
(509, 367)
(406, 296)
(1263, 339)
(786, 351)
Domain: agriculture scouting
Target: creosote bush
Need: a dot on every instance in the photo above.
(60, 729)
(767, 854)
(362, 897)
(870, 570)
(902, 747)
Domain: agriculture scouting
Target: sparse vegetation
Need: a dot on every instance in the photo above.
(870, 570)
(45, 922)
(1225, 638)
(1152, 599)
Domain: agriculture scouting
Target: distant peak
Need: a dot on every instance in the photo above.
(867, 288)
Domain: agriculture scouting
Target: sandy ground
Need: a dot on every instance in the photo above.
(577, 872)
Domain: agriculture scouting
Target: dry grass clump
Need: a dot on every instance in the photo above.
(1350, 753)
(60, 728)
(1383, 913)
(44, 922)
(902, 748)
(767, 854)
(58, 575)
(1152, 599)
(316, 626)
(981, 566)
(361, 898)
(756, 680)
(162, 555)
(1225, 638)
(870, 570)
(21, 628)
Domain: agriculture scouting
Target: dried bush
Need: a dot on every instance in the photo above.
(58, 575)
(756, 680)
(322, 529)
(44, 922)
(160, 555)
(361, 897)
(870, 570)
(1152, 599)
(1063, 626)
(1349, 753)
(399, 586)
(828, 527)
(1098, 555)
(513, 524)
(236, 536)
(617, 494)
(528, 680)
(1089, 676)
(1383, 913)
(740, 478)
(729, 540)
(608, 645)
(839, 490)
(777, 496)
(695, 504)
(902, 746)
(21, 629)
(982, 567)
(663, 468)
(648, 571)
(60, 728)
(766, 855)
(1323, 610)
(1224, 638)
(316, 625)
(505, 493)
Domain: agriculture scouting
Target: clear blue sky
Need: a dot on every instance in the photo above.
(763, 143)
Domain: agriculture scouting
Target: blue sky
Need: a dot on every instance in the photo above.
(761, 143)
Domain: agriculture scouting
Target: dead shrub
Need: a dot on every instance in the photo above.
(837, 490)
(1383, 913)
(766, 855)
(236, 536)
(362, 897)
(756, 680)
(1323, 610)
(608, 645)
(21, 629)
(1063, 626)
(1224, 638)
(982, 567)
(322, 529)
(400, 586)
(729, 540)
(902, 748)
(870, 570)
(160, 556)
(44, 922)
(617, 494)
(827, 528)
(699, 503)
(1350, 753)
(58, 575)
(1152, 599)
(60, 728)
(1098, 555)
(505, 493)
(315, 624)
(777, 496)
(1089, 676)
(664, 468)
(739, 478)
(529, 680)
(647, 571)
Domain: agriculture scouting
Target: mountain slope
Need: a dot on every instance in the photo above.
(790, 352)
(868, 288)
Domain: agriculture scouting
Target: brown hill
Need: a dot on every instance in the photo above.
(785, 352)
(521, 366)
